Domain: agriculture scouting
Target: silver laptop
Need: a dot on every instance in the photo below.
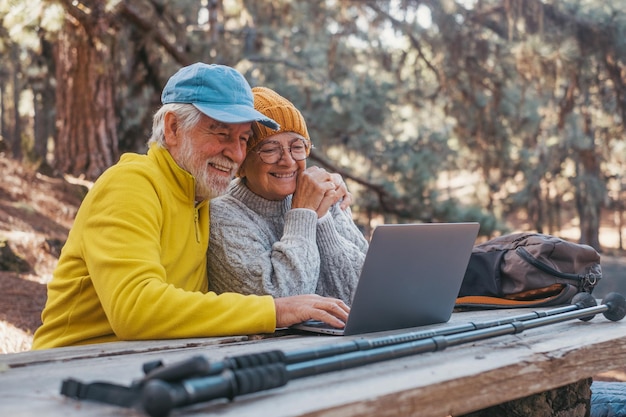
(411, 277)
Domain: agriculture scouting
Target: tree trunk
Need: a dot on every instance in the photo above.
(39, 144)
(591, 186)
(87, 141)
(620, 227)
(16, 140)
(3, 125)
(589, 198)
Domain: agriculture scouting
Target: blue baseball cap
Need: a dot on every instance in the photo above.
(218, 91)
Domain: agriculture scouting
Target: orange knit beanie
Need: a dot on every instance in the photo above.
(276, 107)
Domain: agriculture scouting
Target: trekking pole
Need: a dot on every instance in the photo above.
(159, 397)
(197, 366)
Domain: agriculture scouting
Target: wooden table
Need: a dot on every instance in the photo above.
(454, 381)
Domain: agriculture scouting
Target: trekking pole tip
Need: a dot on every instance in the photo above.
(617, 306)
(584, 300)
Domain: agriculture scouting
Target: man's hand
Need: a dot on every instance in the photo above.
(299, 308)
(341, 191)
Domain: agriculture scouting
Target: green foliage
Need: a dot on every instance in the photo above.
(520, 103)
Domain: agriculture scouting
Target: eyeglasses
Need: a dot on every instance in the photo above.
(271, 152)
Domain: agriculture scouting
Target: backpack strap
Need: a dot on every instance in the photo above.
(555, 294)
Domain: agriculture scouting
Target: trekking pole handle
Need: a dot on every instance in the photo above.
(158, 397)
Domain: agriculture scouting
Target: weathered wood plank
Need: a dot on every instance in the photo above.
(454, 381)
(108, 349)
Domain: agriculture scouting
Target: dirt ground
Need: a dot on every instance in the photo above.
(36, 213)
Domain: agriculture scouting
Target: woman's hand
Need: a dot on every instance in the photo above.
(315, 190)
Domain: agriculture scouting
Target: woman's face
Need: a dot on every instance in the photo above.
(275, 181)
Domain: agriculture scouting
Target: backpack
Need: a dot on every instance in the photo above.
(528, 270)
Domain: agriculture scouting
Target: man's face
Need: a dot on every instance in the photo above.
(211, 151)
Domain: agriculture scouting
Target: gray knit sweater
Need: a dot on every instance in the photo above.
(259, 246)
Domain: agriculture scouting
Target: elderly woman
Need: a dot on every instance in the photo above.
(281, 229)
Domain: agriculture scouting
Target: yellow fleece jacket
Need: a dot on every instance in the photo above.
(134, 264)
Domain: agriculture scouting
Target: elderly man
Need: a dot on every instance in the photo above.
(134, 265)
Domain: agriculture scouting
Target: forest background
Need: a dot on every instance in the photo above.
(505, 112)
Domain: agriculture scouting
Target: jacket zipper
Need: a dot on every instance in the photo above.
(195, 221)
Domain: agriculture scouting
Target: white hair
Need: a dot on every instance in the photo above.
(187, 114)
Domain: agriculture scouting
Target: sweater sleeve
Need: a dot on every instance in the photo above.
(342, 249)
(249, 254)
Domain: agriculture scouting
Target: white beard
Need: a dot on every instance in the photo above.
(207, 186)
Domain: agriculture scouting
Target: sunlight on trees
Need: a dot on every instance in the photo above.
(505, 112)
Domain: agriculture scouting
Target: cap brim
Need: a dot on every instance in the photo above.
(236, 113)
